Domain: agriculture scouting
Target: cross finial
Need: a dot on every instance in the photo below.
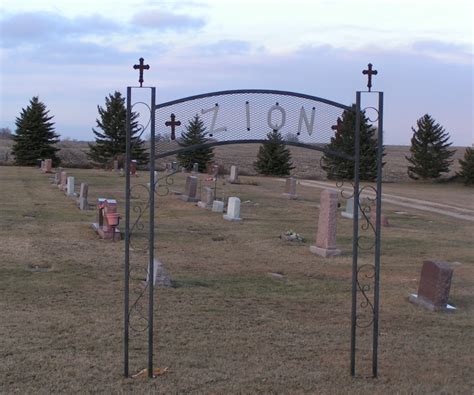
(141, 67)
(369, 72)
(173, 123)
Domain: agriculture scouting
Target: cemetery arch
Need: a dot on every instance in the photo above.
(243, 117)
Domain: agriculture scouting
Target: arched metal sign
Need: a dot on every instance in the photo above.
(240, 117)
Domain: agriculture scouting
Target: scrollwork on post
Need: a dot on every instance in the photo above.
(163, 189)
(366, 202)
(366, 317)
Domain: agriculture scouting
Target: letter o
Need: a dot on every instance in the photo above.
(283, 117)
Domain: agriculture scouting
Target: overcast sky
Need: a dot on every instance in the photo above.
(74, 53)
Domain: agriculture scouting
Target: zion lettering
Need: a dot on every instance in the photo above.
(276, 119)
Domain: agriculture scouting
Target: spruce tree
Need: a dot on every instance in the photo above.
(110, 144)
(35, 137)
(467, 167)
(344, 142)
(273, 157)
(429, 150)
(195, 134)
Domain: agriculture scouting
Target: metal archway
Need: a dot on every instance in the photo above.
(243, 117)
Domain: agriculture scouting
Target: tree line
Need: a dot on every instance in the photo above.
(430, 154)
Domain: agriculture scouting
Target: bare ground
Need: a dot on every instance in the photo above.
(228, 326)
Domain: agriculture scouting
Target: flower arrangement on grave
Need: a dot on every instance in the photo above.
(291, 235)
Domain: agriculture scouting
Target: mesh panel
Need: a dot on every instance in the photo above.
(250, 115)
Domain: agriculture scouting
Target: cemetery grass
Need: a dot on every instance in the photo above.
(228, 325)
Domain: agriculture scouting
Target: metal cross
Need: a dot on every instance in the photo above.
(369, 72)
(141, 67)
(338, 125)
(173, 124)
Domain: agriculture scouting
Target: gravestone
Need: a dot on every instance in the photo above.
(47, 166)
(133, 168)
(63, 181)
(82, 201)
(326, 233)
(233, 209)
(161, 278)
(42, 165)
(57, 177)
(217, 206)
(107, 219)
(207, 198)
(196, 167)
(116, 166)
(190, 190)
(234, 175)
(435, 283)
(383, 219)
(70, 187)
(290, 188)
(349, 212)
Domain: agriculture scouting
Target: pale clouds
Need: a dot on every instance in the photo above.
(166, 21)
(28, 27)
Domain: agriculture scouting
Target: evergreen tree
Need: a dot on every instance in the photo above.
(195, 134)
(110, 144)
(467, 167)
(35, 137)
(344, 142)
(274, 158)
(429, 150)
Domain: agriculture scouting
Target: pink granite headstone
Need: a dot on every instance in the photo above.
(383, 219)
(326, 233)
(63, 181)
(133, 168)
(435, 284)
(107, 219)
(48, 166)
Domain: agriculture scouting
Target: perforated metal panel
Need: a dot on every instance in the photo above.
(242, 115)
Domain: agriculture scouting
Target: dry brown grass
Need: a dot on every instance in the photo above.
(228, 326)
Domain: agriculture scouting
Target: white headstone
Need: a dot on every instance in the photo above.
(349, 213)
(233, 209)
(218, 206)
(234, 175)
(83, 203)
(70, 186)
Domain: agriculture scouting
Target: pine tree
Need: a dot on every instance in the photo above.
(110, 144)
(195, 134)
(429, 150)
(344, 142)
(467, 167)
(273, 157)
(35, 137)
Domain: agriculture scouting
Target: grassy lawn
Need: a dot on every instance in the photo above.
(228, 326)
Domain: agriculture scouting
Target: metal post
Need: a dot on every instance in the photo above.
(377, 237)
(355, 234)
(127, 234)
(151, 239)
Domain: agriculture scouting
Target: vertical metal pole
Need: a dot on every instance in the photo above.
(127, 234)
(377, 237)
(355, 233)
(151, 239)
